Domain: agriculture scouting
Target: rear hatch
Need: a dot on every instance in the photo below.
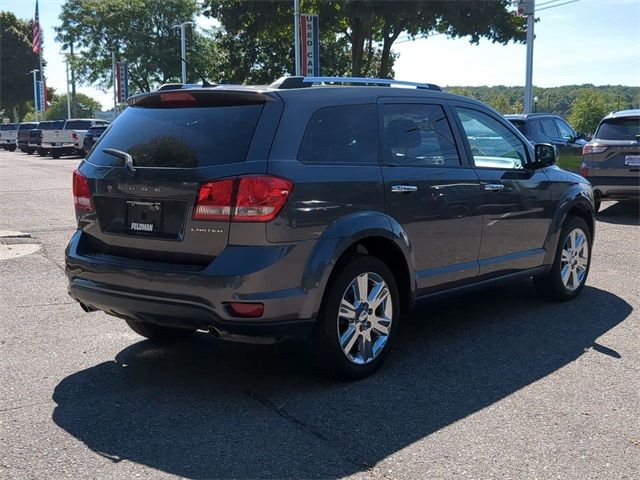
(177, 141)
(23, 131)
(615, 149)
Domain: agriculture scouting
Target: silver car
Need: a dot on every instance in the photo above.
(611, 161)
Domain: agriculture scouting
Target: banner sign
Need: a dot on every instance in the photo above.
(525, 7)
(40, 98)
(122, 81)
(309, 45)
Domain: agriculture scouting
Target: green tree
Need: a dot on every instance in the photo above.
(370, 27)
(16, 61)
(589, 108)
(139, 31)
(87, 107)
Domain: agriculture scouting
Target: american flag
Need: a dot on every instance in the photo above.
(36, 32)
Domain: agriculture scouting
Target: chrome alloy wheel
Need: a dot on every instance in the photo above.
(364, 318)
(574, 260)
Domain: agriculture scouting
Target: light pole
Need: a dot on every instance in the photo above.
(530, 8)
(35, 91)
(296, 30)
(183, 48)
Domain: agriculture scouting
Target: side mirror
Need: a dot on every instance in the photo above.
(545, 156)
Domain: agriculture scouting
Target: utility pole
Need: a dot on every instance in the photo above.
(34, 72)
(296, 29)
(68, 95)
(529, 10)
(183, 49)
(74, 102)
(113, 79)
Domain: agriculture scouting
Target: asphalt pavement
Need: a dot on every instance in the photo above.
(498, 384)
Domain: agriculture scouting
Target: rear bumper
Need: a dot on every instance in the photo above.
(193, 298)
(615, 187)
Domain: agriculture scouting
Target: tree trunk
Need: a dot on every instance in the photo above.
(385, 59)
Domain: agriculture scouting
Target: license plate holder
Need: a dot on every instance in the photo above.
(632, 160)
(144, 216)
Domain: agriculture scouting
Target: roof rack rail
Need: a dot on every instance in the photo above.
(284, 83)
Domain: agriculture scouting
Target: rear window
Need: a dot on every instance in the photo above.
(77, 124)
(619, 129)
(180, 137)
(344, 134)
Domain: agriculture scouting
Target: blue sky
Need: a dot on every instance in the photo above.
(589, 41)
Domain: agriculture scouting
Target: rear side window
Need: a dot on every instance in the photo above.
(180, 137)
(619, 129)
(418, 136)
(345, 134)
(520, 125)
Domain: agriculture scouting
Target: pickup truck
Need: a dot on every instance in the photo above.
(9, 136)
(23, 136)
(45, 128)
(68, 140)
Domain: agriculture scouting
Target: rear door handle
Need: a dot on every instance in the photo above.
(403, 188)
(493, 187)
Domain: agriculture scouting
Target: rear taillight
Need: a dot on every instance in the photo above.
(584, 171)
(81, 194)
(593, 148)
(253, 198)
(214, 201)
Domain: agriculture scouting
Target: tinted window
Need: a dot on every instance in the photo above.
(345, 134)
(619, 129)
(520, 125)
(492, 144)
(549, 128)
(418, 135)
(180, 137)
(565, 130)
(77, 124)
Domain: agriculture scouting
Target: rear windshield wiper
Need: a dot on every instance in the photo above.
(128, 159)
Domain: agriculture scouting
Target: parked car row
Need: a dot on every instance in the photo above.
(610, 161)
(55, 138)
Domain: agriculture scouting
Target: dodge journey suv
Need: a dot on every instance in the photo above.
(316, 207)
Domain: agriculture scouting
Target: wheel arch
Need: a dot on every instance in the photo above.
(366, 233)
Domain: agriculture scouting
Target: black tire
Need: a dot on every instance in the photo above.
(329, 354)
(551, 285)
(159, 333)
(596, 205)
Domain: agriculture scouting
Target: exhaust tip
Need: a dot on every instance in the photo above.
(87, 308)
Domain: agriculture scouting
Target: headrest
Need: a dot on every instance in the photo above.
(403, 133)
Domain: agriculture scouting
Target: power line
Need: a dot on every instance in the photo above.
(556, 5)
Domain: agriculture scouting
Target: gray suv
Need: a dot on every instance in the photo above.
(611, 161)
(316, 207)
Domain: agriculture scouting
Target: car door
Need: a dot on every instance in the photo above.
(569, 145)
(516, 202)
(430, 190)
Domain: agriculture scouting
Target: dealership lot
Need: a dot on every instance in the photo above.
(499, 384)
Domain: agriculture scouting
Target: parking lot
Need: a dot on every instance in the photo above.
(490, 385)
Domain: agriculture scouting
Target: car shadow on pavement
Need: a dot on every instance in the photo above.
(620, 213)
(210, 409)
